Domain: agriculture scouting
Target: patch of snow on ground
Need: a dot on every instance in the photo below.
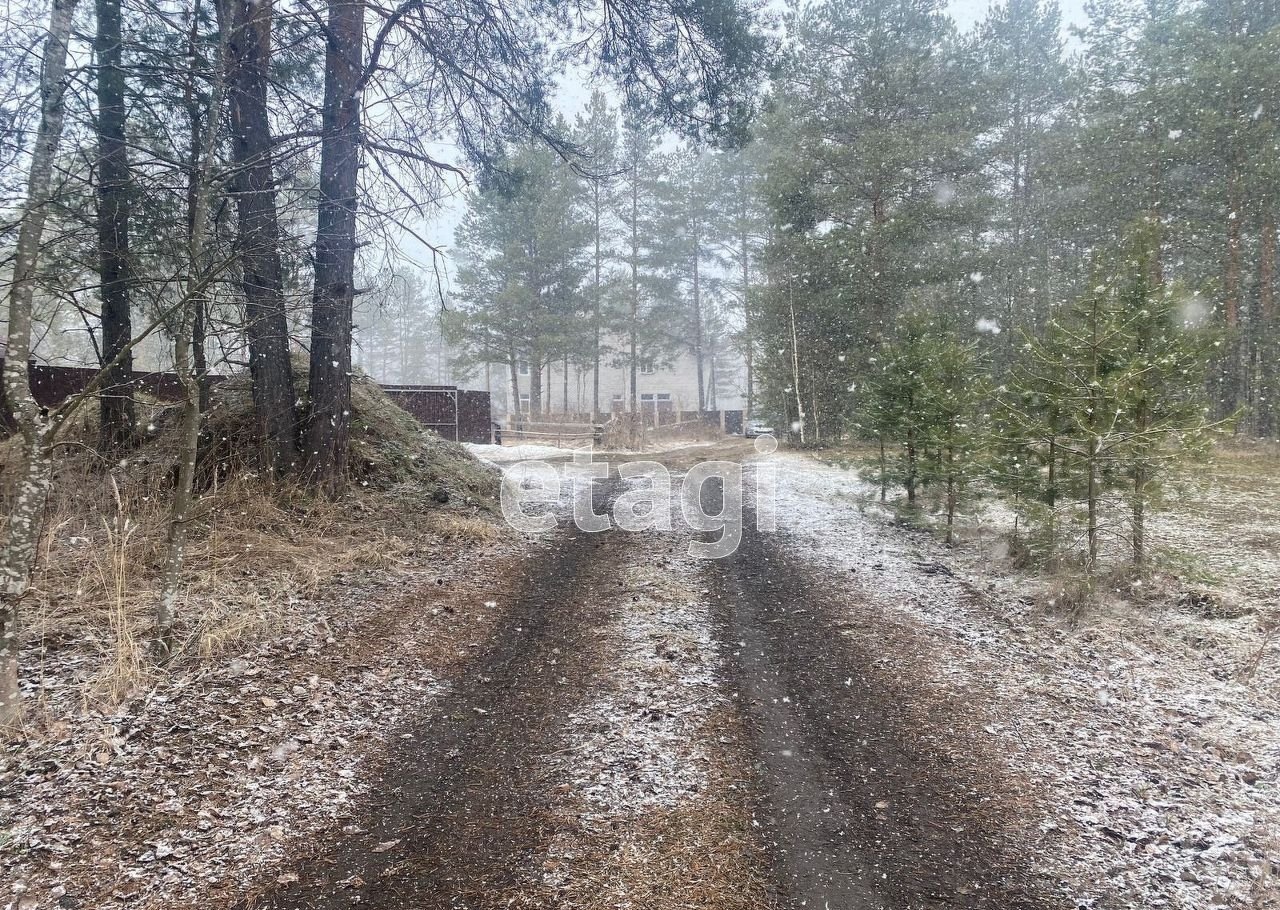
(496, 454)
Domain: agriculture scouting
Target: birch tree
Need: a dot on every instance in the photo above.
(34, 464)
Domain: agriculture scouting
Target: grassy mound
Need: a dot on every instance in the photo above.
(387, 450)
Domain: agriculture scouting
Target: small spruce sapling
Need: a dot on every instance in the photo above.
(956, 387)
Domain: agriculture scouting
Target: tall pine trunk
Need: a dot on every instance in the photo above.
(1093, 494)
(884, 471)
(1051, 499)
(1268, 349)
(330, 374)
(248, 25)
(795, 361)
(912, 460)
(952, 490)
(749, 343)
(115, 401)
(595, 308)
(697, 320)
(33, 467)
(1139, 516)
(1141, 478)
(1233, 372)
(535, 384)
(633, 327)
(513, 361)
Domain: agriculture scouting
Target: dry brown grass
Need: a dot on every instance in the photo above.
(460, 528)
(256, 551)
(252, 553)
(696, 857)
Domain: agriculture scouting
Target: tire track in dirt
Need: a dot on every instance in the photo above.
(455, 818)
(858, 806)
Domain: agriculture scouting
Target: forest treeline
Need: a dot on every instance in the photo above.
(901, 170)
(632, 254)
(1035, 257)
(1019, 261)
(979, 177)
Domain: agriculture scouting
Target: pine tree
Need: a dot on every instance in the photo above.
(1165, 409)
(901, 402)
(1026, 457)
(597, 133)
(115, 404)
(740, 234)
(1115, 390)
(873, 182)
(686, 251)
(1228, 109)
(649, 305)
(524, 245)
(957, 388)
(924, 404)
(1026, 85)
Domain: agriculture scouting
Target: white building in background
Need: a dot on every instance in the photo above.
(670, 386)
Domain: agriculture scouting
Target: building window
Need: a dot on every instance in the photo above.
(524, 369)
(524, 402)
(664, 396)
(646, 366)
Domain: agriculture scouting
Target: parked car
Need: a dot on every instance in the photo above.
(756, 428)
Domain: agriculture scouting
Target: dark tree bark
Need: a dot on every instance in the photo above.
(513, 360)
(747, 324)
(535, 384)
(1233, 378)
(258, 238)
(1266, 328)
(115, 402)
(195, 175)
(633, 366)
(330, 375)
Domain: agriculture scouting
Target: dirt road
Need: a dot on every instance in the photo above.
(647, 730)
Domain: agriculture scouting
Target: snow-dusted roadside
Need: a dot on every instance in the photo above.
(650, 810)
(205, 783)
(639, 744)
(1157, 771)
